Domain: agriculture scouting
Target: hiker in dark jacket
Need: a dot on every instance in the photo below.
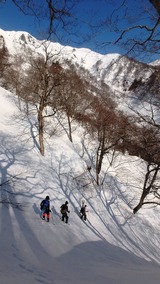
(64, 211)
(83, 212)
(45, 208)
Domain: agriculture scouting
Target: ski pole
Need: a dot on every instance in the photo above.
(52, 217)
(68, 216)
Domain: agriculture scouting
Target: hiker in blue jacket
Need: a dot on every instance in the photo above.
(45, 208)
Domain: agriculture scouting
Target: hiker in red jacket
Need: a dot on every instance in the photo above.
(45, 208)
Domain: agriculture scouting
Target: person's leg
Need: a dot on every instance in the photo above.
(43, 214)
(66, 218)
(83, 216)
(48, 216)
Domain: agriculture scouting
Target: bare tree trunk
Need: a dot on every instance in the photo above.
(97, 167)
(41, 131)
(141, 202)
(150, 178)
(70, 128)
(99, 159)
(100, 155)
(19, 101)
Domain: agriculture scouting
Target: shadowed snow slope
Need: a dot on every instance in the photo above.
(112, 246)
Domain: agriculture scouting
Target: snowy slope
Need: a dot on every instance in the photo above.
(113, 246)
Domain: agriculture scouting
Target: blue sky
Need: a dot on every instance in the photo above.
(88, 11)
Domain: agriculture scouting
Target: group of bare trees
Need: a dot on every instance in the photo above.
(46, 84)
(53, 88)
(149, 141)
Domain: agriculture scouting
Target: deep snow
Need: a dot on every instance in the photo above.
(112, 246)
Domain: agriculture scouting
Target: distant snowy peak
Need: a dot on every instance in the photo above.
(155, 63)
(19, 41)
(16, 41)
(117, 71)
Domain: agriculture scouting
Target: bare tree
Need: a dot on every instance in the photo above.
(136, 33)
(149, 187)
(142, 137)
(147, 140)
(48, 84)
(58, 14)
(42, 79)
(74, 97)
(105, 126)
(14, 76)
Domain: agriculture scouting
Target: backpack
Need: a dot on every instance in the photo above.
(63, 209)
(44, 204)
(82, 210)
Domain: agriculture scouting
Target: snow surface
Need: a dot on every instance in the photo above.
(113, 246)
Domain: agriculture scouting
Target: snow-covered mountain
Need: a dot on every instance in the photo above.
(119, 72)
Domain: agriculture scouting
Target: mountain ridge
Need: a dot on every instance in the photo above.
(117, 71)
